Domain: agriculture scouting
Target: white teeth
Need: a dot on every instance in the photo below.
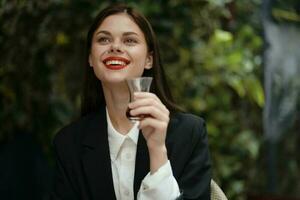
(115, 62)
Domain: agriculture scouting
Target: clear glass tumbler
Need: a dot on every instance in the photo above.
(139, 84)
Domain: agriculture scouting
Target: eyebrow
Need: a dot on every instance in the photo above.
(108, 33)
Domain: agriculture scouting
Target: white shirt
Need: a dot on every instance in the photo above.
(160, 185)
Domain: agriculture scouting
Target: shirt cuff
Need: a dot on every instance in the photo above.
(151, 180)
(159, 185)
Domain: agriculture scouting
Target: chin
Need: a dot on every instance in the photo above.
(114, 79)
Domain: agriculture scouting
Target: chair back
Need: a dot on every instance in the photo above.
(216, 192)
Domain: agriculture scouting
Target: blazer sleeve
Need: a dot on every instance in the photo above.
(195, 180)
(62, 188)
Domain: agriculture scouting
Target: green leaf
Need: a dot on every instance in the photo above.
(62, 38)
(237, 84)
(255, 90)
(221, 36)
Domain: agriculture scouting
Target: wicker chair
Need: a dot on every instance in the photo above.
(216, 192)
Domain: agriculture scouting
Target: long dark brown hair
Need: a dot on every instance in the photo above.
(92, 96)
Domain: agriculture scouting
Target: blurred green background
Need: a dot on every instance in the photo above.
(213, 55)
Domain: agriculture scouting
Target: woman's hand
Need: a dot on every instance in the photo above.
(154, 125)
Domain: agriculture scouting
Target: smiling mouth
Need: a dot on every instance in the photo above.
(115, 63)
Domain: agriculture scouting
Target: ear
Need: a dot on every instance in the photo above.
(90, 61)
(149, 61)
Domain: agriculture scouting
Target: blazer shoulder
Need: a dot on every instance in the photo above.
(187, 124)
(187, 119)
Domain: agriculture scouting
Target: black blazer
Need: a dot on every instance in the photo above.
(84, 166)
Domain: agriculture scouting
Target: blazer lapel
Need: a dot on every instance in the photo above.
(96, 158)
(142, 163)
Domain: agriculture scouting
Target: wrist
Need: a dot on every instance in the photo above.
(157, 150)
(158, 157)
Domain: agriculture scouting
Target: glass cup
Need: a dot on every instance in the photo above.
(139, 84)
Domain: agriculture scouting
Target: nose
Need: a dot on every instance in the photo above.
(116, 47)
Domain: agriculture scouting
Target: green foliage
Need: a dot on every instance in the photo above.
(286, 11)
(211, 51)
(215, 72)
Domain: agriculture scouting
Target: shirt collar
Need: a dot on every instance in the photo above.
(116, 139)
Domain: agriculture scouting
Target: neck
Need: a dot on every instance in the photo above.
(117, 99)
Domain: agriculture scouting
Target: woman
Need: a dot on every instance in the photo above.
(104, 155)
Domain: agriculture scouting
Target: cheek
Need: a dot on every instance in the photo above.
(95, 57)
(97, 50)
(140, 54)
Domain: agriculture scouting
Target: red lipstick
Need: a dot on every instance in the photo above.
(115, 63)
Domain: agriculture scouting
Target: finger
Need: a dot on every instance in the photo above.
(148, 102)
(159, 126)
(153, 111)
(152, 99)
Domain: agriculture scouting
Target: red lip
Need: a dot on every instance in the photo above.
(116, 58)
(116, 67)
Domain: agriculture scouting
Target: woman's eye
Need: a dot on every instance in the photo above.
(103, 40)
(130, 41)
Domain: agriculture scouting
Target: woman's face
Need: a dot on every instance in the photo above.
(119, 50)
